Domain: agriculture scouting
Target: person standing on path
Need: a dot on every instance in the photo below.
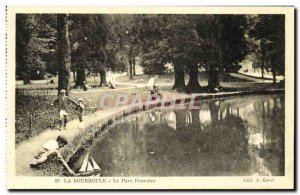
(80, 112)
(62, 101)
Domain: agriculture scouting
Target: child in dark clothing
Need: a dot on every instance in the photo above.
(61, 101)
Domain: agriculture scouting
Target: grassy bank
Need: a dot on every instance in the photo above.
(34, 114)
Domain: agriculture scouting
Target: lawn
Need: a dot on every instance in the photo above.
(137, 79)
(169, 79)
(42, 84)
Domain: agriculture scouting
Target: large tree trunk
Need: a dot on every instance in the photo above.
(102, 71)
(195, 119)
(74, 76)
(64, 52)
(213, 80)
(214, 111)
(274, 75)
(179, 77)
(26, 78)
(133, 65)
(273, 70)
(142, 59)
(193, 84)
(263, 54)
(130, 61)
(103, 77)
(81, 79)
(262, 67)
(130, 70)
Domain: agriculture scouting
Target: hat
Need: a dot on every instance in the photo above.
(62, 91)
(62, 139)
(80, 99)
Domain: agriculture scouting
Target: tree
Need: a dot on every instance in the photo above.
(64, 52)
(99, 41)
(42, 45)
(102, 65)
(176, 39)
(47, 36)
(23, 34)
(152, 45)
(271, 42)
(211, 53)
(81, 45)
(163, 38)
(198, 48)
(80, 73)
(228, 46)
(39, 33)
(233, 42)
(131, 27)
(115, 49)
(89, 39)
(176, 33)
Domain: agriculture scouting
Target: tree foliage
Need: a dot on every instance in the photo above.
(35, 45)
(23, 34)
(269, 32)
(214, 43)
(233, 42)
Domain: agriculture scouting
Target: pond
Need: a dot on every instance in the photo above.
(240, 136)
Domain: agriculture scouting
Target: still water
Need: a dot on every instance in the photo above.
(229, 137)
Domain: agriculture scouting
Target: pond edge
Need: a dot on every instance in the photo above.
(85, 138)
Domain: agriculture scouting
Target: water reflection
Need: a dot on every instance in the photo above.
(171, 120)
(238, 136)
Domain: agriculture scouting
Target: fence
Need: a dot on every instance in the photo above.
(36, 92)
(44, 91)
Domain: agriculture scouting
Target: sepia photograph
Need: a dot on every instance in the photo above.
(140, 99)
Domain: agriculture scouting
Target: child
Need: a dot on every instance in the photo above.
(155, 93)
(61, 101)
(80, 112)
(111, 85)
(51, 148)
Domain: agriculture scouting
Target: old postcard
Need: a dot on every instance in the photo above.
(150, 98)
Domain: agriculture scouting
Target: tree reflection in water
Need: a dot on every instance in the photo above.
(237, 136)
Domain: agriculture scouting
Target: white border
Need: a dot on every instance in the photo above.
(94, 2)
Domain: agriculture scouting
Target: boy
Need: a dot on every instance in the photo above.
(80, 112)
(51, 148)
(61, 101)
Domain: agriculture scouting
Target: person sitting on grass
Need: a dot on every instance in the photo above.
(155, 93)
(61, 101)
(80, 112)
(51, 148)
(85, 86)
(111, 85)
